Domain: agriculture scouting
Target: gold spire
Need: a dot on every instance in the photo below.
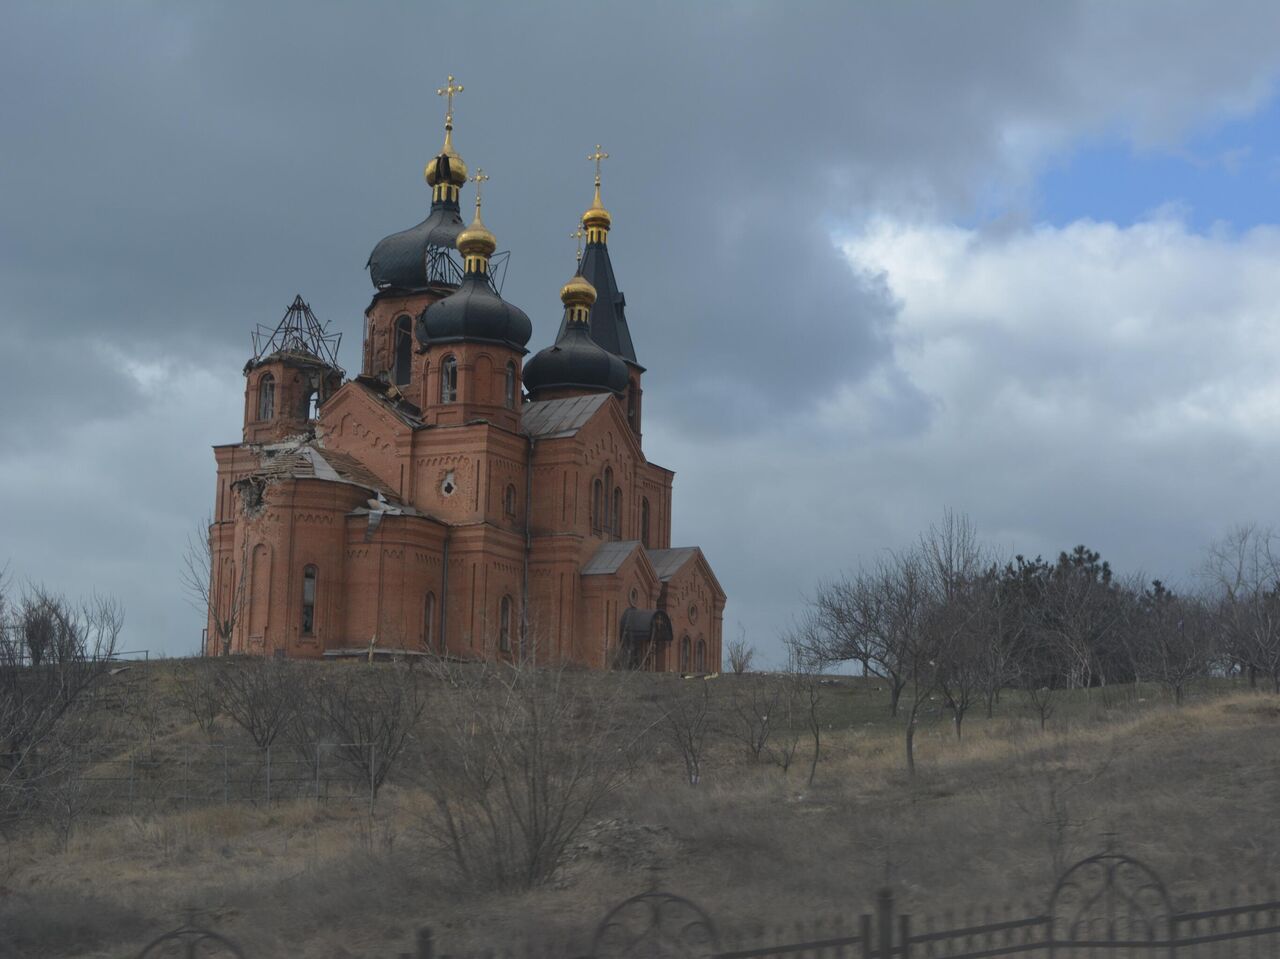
(578, 234)
(476, 243)
(445, 179)
(597, 219)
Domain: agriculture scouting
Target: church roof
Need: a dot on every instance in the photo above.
(668, 562)
(304, 461)
(548, 419)
(408, 260)
(608, 313)
(610, 557)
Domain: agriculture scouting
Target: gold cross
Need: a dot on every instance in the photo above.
(598, 156)
(447, 91)
(578, 234)
(478, 178)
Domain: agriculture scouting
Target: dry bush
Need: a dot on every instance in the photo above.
(519, 760)
(197, 691)
(261, 696)
(687, 723)
(740, 653)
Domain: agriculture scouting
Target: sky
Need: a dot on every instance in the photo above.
(1016, 260)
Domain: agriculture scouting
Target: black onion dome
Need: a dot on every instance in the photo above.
(400, 260)
(474, 312)
(575, 362)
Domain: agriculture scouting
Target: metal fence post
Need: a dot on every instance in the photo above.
(426, 945)
(317, 772)
(226, 777)
(884, 923)
(904, 935)
(268, 777)
(372, 791)
(864, 929)
(186, 776)
(132, 754)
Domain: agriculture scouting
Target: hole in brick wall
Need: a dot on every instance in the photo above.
(449, 485)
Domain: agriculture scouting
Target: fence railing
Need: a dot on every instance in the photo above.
(108, 777)
(1109, 905)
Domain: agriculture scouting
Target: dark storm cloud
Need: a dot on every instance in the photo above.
(173, 174)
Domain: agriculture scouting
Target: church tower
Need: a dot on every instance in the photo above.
(472, 342)
(293, 371)
(608, 315)
(415, 267)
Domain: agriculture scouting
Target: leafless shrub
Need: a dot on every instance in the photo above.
(740, 653)
(42, 706)
(687, 724)
(369, 712)
(519, 759)
(261, 696)
(754, 710)
(218, 594)
(197, 691)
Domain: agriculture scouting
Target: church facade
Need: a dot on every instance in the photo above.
(457, 497)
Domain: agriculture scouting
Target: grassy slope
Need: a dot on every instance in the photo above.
(1191, 790)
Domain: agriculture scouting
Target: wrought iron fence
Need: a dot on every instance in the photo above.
(116, 777)
(1109, 905)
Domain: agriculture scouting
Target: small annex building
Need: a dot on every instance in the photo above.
(457, 496)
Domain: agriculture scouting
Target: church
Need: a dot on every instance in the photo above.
(458, 497)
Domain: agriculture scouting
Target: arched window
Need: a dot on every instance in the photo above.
(700, 657)
(617, 513)
(509, 502)
(504, 624)
(309, 575)
(510, 392)
(312, 409)
(449, 380)
(429, 620)
(644, 522)
(266, 397)
(596, 496)
(404, 349)
(633, 407)
(685, 651)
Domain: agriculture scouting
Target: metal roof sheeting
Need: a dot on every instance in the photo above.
(610, 557)
(668, 562)
(562, 417)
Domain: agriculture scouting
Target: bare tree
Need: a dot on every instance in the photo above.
(370, 713)
(520, 759)
(197, 691)
(687, 724)
(1243, 568)
(740, 653)
(261, 696)
(754, 710)
(43, 710)
(1175, 638)
(222, 602)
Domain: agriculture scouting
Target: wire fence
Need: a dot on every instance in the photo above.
(114, 777)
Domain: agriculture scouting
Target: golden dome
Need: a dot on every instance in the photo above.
(597, 216)
(476, 240)
(578, 292)
(456, 169)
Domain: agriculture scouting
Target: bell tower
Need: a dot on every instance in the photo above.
(293, 371)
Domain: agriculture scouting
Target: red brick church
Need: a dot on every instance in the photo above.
(456, 497)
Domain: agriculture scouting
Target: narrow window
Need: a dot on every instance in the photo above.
(633, 406)
(700, 658)
(596, 495)
(428, 620)
(644, 522)
(685, 649)
(449, 380)
(504, 625)
(312, 408)
(308, 600)
(266, 397)
(511, 386)
(404, 349)
(509, 502)
(617, 513)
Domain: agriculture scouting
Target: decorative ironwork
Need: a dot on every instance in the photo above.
(656, 925)
(191, 942)
(298, 332)
(1110, 897)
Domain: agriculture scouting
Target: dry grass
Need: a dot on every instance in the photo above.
(1191, 790)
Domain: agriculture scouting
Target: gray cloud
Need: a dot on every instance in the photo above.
(173, 174)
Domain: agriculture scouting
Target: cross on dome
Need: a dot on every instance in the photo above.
(479, 178)
(578, 234)
(598, 155)
(447, 91)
